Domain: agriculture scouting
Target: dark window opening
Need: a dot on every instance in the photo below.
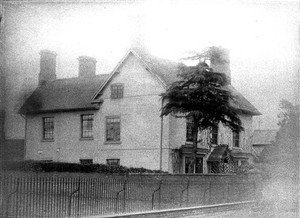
(236, 139)
(214, 135)
(113, 129)
(197, 167)
(86, 161)
(189, 129)
(113, 162)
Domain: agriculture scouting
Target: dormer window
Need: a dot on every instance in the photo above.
(117, 91)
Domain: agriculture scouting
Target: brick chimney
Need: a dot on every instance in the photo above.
(87, 66)
(47, 66)
(220, 61)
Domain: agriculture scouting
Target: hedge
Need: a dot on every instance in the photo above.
(39, 166)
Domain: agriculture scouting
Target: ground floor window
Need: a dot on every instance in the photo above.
(86, 161)
(113, 162)
(190, 167)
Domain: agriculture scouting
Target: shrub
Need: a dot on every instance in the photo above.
(40, 166)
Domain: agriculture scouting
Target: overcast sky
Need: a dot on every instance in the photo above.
(261, 36)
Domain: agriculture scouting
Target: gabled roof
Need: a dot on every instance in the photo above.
(264, 137)
(167, 72)
(81, 93)
(64, 95)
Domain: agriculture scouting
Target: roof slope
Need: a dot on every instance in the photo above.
(241, 103)
(264, 137)
(77, 93)
(168, 70)
(64, 95)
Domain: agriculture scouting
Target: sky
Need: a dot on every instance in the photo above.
(262, 37)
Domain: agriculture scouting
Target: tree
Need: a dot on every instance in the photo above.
(289, 115)
(201, 94)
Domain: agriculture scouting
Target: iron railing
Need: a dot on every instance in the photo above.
(77, 195)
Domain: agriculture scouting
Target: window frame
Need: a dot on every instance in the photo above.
(113, 159)
(106, 129)
(117, 91)
(89, 136)
(214, 135)
(189, 129)
(86, 161)
(236, 139)
(50, 130)
(198, 167)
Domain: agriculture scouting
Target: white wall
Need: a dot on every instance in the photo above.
(139, 111)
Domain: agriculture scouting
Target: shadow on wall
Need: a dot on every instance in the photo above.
(13, 150)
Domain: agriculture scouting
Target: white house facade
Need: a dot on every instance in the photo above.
(115, 119)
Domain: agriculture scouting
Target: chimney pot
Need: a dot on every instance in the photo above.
(47, 66)
(87, 66)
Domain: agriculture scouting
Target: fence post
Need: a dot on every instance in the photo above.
(70, 197)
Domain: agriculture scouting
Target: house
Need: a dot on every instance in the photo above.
(262, 139)
(115, 118)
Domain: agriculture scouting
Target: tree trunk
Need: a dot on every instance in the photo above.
(195, 140)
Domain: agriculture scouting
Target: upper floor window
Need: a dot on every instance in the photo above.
(48, 128)
(113, 129)
(113, 162)
(189, 129)
(117, 91)
(214, 135)
(236, 139)
(87, 125)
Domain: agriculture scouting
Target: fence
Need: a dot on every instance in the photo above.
(76, 195)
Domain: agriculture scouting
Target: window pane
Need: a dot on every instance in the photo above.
(214, 135)
(87, 125)
(189, 130)
(86, 161)
(199, 165)
(236, 139)
(113, 162)
(48, 128)
(113, 129)
(117, 91)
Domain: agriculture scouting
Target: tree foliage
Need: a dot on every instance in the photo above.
(202, 94)
(289, 114)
